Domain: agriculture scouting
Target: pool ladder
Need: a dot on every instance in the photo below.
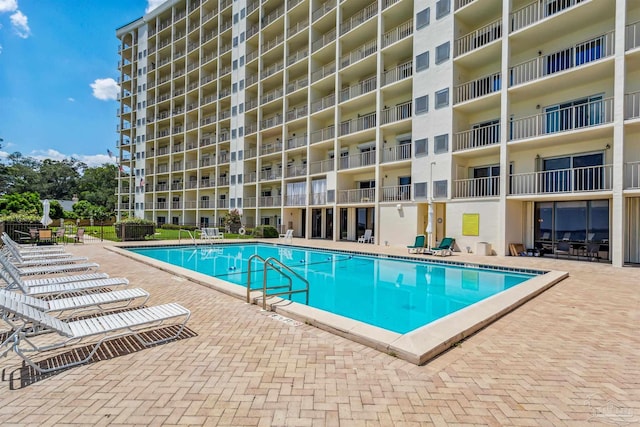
(193, 239)
(278, 266)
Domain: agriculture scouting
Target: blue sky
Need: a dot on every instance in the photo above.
(58, 72)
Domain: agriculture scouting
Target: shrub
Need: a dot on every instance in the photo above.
(265, 231)
(134, 228)
(178, 227)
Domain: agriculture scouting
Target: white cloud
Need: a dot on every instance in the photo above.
(8, 6)
(152, 4)
(71, 99)
(20, 24)
(91, 160)
(105, 89)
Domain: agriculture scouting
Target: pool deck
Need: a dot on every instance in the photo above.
(570, 356)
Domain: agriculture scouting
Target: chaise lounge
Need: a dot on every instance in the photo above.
(445, 248)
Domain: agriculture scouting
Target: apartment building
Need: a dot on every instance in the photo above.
(492, 121)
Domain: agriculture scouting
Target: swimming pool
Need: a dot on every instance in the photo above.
(395, 294)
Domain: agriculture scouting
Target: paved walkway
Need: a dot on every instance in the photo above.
(571, 356)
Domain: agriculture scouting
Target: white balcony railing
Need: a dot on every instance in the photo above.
(398, 33)
(478, 38)
(323, 72)
(297, 141)
(575, 180)
(477, 187)
(365, 86)
(321, 104)
(325, 8)
(361, 195)
(270, 201)
(366, 158)
(478, 88)
(359, 17)
(396, 193)
(323, 134)
(322, 166)
(295, 200)
(367, 121)
(580, 116)
(399, 112)
(632, 105)
(324, 40)
(632, 175)
(538, 10)
(397, 153)
(632, 39)
(478, 137)
(565, 59)
(398, 73)
(365, 50)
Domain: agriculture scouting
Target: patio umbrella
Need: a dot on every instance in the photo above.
(46, 219)
(429, 229)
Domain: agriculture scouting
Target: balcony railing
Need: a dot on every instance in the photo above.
(297, 112)
(250, 177)
(295, 200)
(632, 175)
(272, 121)
(323, 72)
(396, 193)
(462, 3)
(326, 7)
(297, 56)
(574, 56)
(270, 44)
(359, 17)
(575, 180)
(321, 104)
(401, 72)
(632, 39)
(297, 141)
(367, 121)
(318, 199)
(322, 166)
(324, 40)
(478, 38)
(268, 175)
(271, 95)
(293, 171)
(397, 153)
(249, 202)
(323, 134)
(299, 26)
(359, 160)
(275, 14)
(632, 105)
(477, 88)
(400, 32)
(361, 195)
(536, 11)
(272, 69)
(274, 147)
(222, 203)
(270, 201)
(478, 137)
(365, 50)
(297, 84)
(580, 116)
(399, 112)
(477, 187)
(365, 86)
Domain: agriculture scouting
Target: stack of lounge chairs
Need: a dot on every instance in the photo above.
(71, 309)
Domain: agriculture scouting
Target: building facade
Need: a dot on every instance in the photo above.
(500, 121)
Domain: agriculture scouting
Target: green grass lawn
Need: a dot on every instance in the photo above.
(107, 232)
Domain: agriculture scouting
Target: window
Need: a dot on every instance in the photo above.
(442, 98)
(422, 104)
(420, 190)
(441, 144)
(422, 18)
(486, 181)
(583, 172)
(235, 64)
(440, 189)
(422, 61)
(442, 53)
(485, 133)
(576, 114)
(235, 41)
(422, 147)
(443, 7)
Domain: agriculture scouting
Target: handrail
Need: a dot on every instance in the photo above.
(189, 233)
(269, 262)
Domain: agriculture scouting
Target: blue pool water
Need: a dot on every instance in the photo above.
(393, 294)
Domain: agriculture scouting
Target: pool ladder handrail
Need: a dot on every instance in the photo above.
(269, 263)
(193, 239)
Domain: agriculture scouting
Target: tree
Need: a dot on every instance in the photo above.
(22, 174)
(98, 185)
(25, 203)
(83, 209)
(60, 178)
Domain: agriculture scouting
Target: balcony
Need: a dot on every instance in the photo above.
(297, 56)
(396, 193)
(271, 17)
(278, 66)
(632, 39)
(324, 40)
(566, 59)
(271, 96)
(222, 203)
(326, 7)
(365, 86)
(293, 171)
(400, 32)
(323, 72)
(299, 26)
(297, 84)
(367, 158)
(399, 112)
(324, 103)
(297, 112)
(588, 114)
(478, 88)
(361, 195)
(270, 201)
(397, 153)
(367, 121)
(480, 136)
(401, 72)
(632, 105)
(322, 166)
(537, 11)
(323, 134)
(476, 187)
(574, 180)
(275, 147)
(365, 50)
(359, 17)
(632, 176)
(478, 38)
(295, 200)
(272, 121)
(318, 199)
(296, 142)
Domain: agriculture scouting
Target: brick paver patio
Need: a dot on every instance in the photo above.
(571, 356)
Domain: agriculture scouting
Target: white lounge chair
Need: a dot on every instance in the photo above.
(367, 237)
(39, 259)
(286, 237)
(29, 249)
(21, 317)
(49, 269)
